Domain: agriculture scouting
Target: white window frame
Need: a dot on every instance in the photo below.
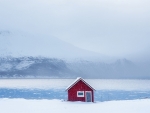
(80, 92)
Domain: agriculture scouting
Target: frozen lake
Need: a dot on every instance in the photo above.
(106, 89)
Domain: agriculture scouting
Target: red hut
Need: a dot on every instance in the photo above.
(80, 90)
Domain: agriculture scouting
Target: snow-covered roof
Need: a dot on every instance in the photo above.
(78, 79)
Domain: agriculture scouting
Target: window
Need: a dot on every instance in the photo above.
(80, 93)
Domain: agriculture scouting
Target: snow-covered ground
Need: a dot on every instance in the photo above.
(59, 106)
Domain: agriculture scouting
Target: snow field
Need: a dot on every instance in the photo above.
(60, 106)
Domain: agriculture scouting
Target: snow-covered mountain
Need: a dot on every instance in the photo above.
(41, 67)
(32, 67)
(27, 55)
(20, 44)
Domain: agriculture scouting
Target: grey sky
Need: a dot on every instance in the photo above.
(111, 27)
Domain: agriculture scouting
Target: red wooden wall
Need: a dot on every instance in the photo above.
(79, 86)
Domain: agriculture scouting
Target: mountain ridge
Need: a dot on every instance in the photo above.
(18, 44)
(41, 67)
(25, 55)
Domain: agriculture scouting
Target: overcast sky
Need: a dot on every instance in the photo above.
(112, 27)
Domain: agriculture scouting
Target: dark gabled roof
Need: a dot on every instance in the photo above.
(77, 80)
